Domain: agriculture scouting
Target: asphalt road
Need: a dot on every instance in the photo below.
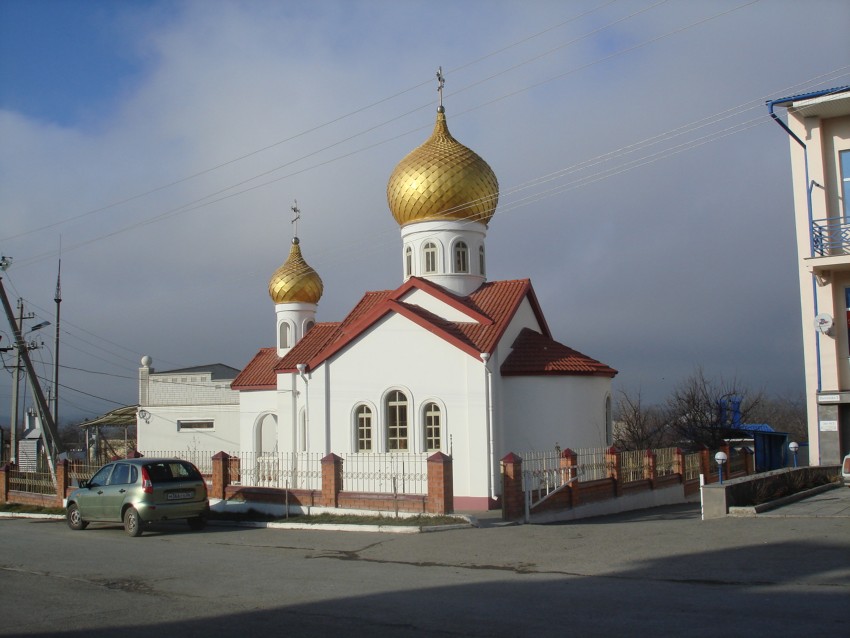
(656, 572)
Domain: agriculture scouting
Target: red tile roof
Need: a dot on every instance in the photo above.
(536, 354)
(490, 309)
(259, 374)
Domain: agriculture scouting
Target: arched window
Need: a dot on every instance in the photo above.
(283, 337)
(609, 422)
(481, 260)
(308, 326)
(430, 251)
(433, 427)
(461, 257)
(408, 261)
(363, 420)
(396, 421)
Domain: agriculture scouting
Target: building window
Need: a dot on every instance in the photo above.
(308, 326)
(609, 422)
(481, 260)
(283, 337)
(461, 257)
(408, 261)
(363, 418)
(430, 250)
(396, 421)
(194, 426)
(433, 427)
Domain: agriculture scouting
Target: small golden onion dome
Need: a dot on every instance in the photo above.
(295, 281)
(442, 179)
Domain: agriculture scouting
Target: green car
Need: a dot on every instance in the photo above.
(140, 491)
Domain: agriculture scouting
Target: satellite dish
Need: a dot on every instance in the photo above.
(823, 323)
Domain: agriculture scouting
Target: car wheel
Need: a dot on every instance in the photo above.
(75, 519)
(197, 523)
(132, 522)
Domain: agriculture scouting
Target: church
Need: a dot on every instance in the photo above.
(446, 362)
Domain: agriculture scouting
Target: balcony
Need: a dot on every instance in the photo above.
(830, 237)
(830, 248)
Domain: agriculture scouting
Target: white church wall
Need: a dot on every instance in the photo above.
(542, 411)
(398, 354)
(254, 407)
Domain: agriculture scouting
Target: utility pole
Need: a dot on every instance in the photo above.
(49, 433)
(58, 299)
(16, 387)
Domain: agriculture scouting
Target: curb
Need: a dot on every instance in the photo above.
(340, 527)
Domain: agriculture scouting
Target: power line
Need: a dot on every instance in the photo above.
(202, 202)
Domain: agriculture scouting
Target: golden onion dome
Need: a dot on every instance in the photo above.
(442, 179)
(295, 281)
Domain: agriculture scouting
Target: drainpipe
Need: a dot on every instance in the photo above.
(771, 104)
(488, 399)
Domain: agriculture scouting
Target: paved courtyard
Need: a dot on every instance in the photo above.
(649, 573)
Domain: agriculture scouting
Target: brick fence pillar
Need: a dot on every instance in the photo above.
(569, 466)
(513, 499)
(4, 482)
(331, 480)
(220, 474)
(650, 468)
(679, 464)
(612, 460)
(62, 479)
(440, 498)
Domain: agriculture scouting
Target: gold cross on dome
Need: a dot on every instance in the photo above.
(296, 215)
(441, 82)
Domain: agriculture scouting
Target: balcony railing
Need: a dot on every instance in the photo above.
(830, 236)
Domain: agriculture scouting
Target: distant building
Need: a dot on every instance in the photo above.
(190, 409)
(819, 131)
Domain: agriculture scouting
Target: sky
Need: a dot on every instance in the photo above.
(156, 147)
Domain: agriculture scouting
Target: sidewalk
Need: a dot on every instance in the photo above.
(834, 503)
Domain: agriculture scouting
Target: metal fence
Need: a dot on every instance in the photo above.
(32, 482)
(692, 466)
(593, 463)
(378, 473)
(542, 471)
(81, 472)
(283, 470)
(385, 473)
(543, 468)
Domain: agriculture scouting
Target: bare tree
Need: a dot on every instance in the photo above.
(637, 426)
(702, 411)
(784, 414)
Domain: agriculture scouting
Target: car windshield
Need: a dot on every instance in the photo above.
(172, 472)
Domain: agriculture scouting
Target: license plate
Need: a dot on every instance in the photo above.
(175, 496)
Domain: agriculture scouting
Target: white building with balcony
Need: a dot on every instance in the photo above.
(818, 127)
